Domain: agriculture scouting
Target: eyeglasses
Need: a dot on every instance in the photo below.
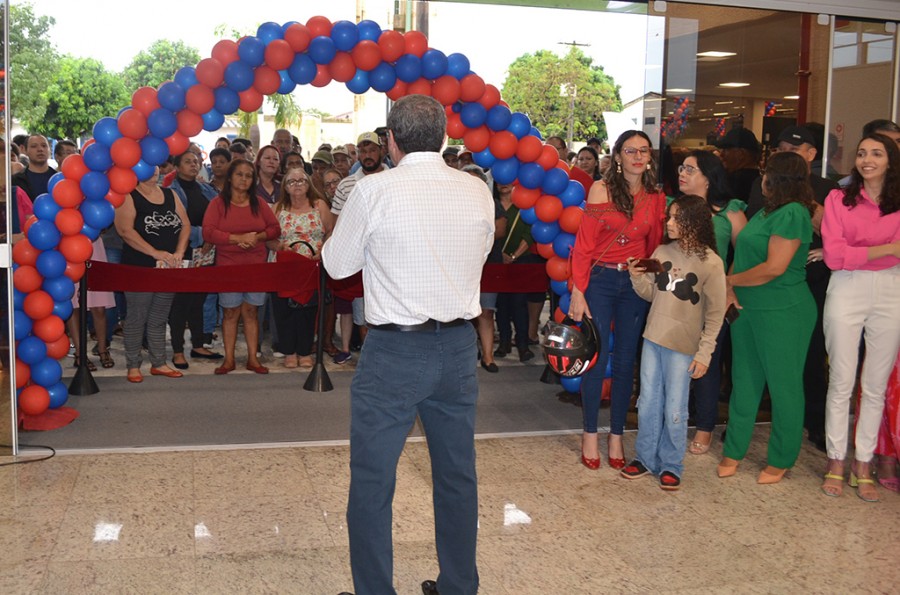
(631, 152)
(295, 182)
(687, 169)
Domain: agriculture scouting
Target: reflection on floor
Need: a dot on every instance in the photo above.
(272, 521)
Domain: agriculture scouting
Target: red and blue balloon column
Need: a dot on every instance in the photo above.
(82, 198)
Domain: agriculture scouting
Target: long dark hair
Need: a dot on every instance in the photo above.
(596, 173)
(890, 191)
(226, 188)
(787, 181)
(616, 183)
(719, 193)
(695, 221)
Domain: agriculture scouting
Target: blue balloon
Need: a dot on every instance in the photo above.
(286, 26)
(95, 185)
(213, 120)
(269, 32)
(573, 195)
(43, 235)
(531, 175)
(302, 70)
(63, 309)
(59, 394)
(519, 125)
(609, 367)
(162, 123)
(345, 35)
(536, 132)
(563, 244)
(571, 384)
(31, 350)
(106, 131)
(143, 170)
(18, 296)
(408, 68)
(555, 181)
(505, 171)
(186, 77)
(457, 107)
(484, 158)
(544, 233)
(473, 115)
(91, 232)
(287, 85)
(171, 97)
(383, 78)
(252, 52)
(154, 151)
(99, 214)
(528, 216)
(458, 66)
(51, 263)
(56, 179)
(434, 64)
(22, 325)
(239, 76)
(46, 372)
(321, 50)
(122, 111)
(564, 301)
(498, 118)
(59, 288)
(45, 207)
(359, 84)
(227, 101)
(97, 157)
(559, 287)
(369, 30)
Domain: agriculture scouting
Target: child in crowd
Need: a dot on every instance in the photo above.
(685, 283)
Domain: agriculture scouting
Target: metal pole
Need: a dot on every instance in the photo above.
(83, 383)
(318, 380)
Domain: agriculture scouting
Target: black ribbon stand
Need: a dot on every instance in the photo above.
(318, 380)
(549, 376)
(83, 382)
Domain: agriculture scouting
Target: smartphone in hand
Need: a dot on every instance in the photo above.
(731, 314)
(652, 265)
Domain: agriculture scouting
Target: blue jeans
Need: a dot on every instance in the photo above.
(663, 408)
(612, 299)
(400, 375)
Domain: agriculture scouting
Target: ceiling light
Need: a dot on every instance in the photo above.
(724, 102)
(679, 90)
(733, 85)
(720, 114)
(792, 97)
(716, 54)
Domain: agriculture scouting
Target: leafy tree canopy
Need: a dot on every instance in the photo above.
(159, 63)
(533, 86)
(32, 62)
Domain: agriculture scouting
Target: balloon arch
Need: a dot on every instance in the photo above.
(83, 196)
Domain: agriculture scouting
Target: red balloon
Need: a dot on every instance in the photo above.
(178, 144)
(49, 328)
(24, 253)
(125, 152)
(34, 400)
(342, 67)
(279, 54)
(115, 199)
(546, 250)
(524, 198)
(477, 139)
(69, 221)
(366, 55)
(189, 123)
(471, 88)
(123, 180)
(200, 99)
(446, 90)
(266, 80)
(76, 249)
(144, 100)
(455, 128)
(251, 100)
(67, 193)
(419, 87)
(400, 89)
(559, 315)
(503, 144)
(23, 370)
(323, 77)
(558, 268)
(210, 73)
(225, 52)
(416, 43)
(392, 44)
(549, 157)
(76, 169)
(560, 164)
(570, 220)
(75, 271)
(548, 208)
(529, 149)
(132, 124)
(298, 37)
(27, 279)
(58, 349)
(28, 223)
(319, 26)
(491, 97)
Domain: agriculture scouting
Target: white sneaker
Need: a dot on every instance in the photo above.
(277, 354)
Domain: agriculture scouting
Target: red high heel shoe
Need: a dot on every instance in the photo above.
(592, 464)
(616, 464)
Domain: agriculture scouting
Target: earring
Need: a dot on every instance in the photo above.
(648, 167)
(618, 167)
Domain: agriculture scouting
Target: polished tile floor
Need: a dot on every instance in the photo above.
(271, 520)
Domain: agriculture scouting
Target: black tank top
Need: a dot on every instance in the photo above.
(159, 225)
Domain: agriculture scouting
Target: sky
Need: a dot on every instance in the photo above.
(492, 37)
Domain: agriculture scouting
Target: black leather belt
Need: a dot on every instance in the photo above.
(428, 325)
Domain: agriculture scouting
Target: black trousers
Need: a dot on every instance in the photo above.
(815, 372)
(296, 327)
(187, 309)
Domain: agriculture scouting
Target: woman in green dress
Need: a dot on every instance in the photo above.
(777, 314)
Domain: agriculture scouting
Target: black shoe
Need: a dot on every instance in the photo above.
(183, 366)
(198, 355)
(525, 354)
(345, 593)
(429, 588)
(491, 367)
(503, 348)
(633, 470)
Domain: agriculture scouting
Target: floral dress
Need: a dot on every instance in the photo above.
(299, 228)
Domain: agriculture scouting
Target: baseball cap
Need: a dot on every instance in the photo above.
(739, 138)
(324, 156)
(451, 151)
(796, 135)
(368, 137)
(340, 150)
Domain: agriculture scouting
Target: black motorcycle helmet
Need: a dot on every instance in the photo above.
(570, 347)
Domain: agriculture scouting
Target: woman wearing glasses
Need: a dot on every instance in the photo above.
(702, 174)
(623, 219)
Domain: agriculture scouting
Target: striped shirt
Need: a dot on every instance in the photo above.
(346, 186)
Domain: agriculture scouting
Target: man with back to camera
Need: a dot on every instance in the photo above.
(34, 178)
(420, 233)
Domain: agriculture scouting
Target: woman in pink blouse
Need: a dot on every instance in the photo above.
(861, 237)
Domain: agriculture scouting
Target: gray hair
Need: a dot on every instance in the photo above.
(418, 123)
(476, 171)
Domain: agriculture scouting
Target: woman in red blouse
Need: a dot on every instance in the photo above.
(623, 219)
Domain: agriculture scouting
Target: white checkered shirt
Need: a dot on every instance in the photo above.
(420, 233)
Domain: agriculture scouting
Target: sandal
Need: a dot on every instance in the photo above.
(890, 483)
(834, 482)
(106, 360)
(699, 448)
(90, 364)
(865, 486)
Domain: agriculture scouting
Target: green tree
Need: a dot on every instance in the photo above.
(32, 62)
(540, 85)
(159, 63)
(81, 92)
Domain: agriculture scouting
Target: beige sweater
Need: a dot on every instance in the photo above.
(688, 301)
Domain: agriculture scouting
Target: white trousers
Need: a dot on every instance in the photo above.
(859, 303)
